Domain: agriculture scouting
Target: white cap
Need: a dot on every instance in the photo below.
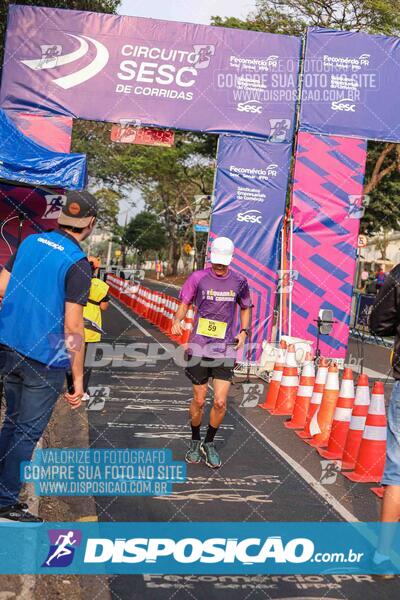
(222, 250)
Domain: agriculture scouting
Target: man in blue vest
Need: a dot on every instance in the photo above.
(44, 288)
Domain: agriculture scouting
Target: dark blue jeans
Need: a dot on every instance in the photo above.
(31, 390)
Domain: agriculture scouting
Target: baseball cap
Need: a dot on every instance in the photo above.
(78, 210)
(222, 250)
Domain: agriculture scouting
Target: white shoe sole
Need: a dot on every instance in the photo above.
(207, 463)
(20, 523)
(192, 462)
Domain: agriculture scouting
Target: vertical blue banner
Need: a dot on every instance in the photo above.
(250, 193)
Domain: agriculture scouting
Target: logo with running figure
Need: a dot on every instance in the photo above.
(62, 547)
(51, 57)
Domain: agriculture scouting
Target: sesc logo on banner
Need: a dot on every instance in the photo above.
(251, 106)
(250, 216)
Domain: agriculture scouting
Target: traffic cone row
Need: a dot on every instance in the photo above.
(155, 306)
(340, 423)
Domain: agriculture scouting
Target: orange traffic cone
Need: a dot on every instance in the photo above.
(341, 418)
(316, 397)
(187, 325)
(304, 394)
(276, 377)
(371, 456)
(321, 422)
(378, 491)
(357, 423)
(289, 384)
(168, 315)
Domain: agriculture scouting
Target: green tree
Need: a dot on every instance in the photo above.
(382, 189)
(373, 16)
(169, 179)
(108, 200)
(144, 233)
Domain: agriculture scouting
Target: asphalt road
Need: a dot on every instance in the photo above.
(268, 474)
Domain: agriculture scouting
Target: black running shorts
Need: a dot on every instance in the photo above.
(204, 368)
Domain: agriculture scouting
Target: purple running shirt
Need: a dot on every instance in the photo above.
(215, 298)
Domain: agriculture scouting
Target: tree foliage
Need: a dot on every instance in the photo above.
(108, 209)
(144, 232)
(169, 179)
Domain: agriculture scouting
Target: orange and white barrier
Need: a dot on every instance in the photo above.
(378, 491)
(289, 385)
(371, 456)
(341, 419)
(155, 306)
(276, 378)
(357, 423)
(321, 422)
(304, 393)
(187, 325)
(322, 374)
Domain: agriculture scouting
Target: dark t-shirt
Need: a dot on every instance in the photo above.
(77, 281)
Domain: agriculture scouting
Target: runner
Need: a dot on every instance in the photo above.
(62, 543)
(214, 292)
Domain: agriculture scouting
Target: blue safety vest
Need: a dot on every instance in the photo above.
(33, 308)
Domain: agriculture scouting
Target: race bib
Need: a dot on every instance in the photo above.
(212, 329)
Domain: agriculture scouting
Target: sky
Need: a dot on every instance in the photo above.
(191, 11)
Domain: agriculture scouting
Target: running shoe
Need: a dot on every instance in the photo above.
(16, 514)
(193, 455)
(211, 455)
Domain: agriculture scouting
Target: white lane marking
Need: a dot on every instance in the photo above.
(161, 283)
(134, 322)
(130, 319)
(308, 478)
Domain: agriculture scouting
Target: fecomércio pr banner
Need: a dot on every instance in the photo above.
(327, 207)
(351, 85)
(249, 205)
(162, 73)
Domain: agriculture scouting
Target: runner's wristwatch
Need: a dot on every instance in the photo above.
(245, 330)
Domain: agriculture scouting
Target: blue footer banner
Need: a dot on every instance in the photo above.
(200, 548)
